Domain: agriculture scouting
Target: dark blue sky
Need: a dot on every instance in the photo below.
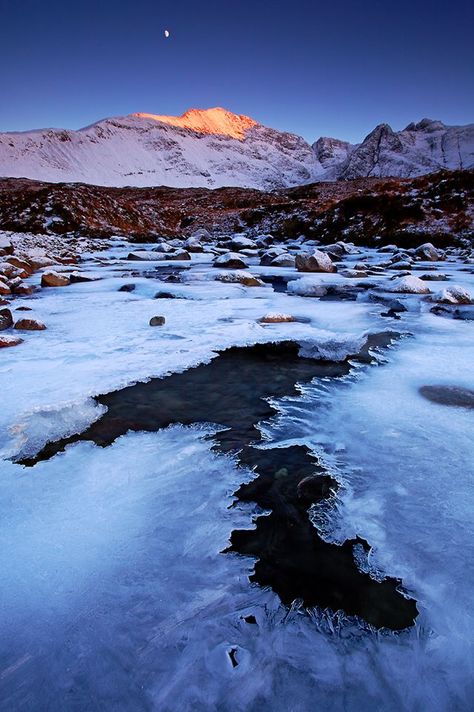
(315, 68)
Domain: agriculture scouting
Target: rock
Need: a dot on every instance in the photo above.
(306, 287)
(352, 273)
(144, 256)
(163, 247)
(230, 260)
(6, 247)
(40, 261)
(14, 283)
(453, 295)
(54, 279)
(241, 243)
(464, 313)
(127, 288)
(24, 289)
(436, 277)
(6, 319)
(316, 261)
(277, 319)
(157, 321)
(284, 260)
(268, 256)
(409, 285)
(338, 249)
(30, 325)
(193, 244)
(202, 234)
(178, 255)
(168, 295)
(401, 264)
(4, 288)
(6, 341)
(428, 252)
(24, 309)
(245, 278)
(449, 395)
(23, 265)
(77, 277)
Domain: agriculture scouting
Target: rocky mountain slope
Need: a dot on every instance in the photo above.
(214, 148)
(438, 207)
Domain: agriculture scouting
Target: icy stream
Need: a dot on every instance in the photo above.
(114, 594)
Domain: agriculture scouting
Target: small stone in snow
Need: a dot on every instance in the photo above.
(157, 321)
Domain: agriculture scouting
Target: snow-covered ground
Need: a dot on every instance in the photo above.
(114, 592)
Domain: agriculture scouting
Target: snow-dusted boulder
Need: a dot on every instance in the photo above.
(306, 287)
(240, 277)
(277, 319)
(239, 242)
(230, 260)
(428, 252)
(6, 341)
(409, 285)
(6, 319)
(453, 295)
(54, 279)
(29, 325)
(284, 260)
(316, 261)
(163, 247)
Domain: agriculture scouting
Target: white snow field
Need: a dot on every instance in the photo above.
(114, 593)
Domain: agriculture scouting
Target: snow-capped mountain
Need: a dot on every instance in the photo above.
(211, 148)
(214, 148)
(420, 148)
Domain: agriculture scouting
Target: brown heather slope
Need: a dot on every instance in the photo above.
(438, 206)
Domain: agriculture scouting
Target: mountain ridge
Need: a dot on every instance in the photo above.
(215, 148)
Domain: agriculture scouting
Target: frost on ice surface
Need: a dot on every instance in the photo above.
(44, 425)
(114, 587)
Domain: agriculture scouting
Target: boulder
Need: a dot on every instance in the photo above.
(29, 325)
(230, 260)
(306, 287)
(54, 279)
(82, 277)
(245, 278)
(242, 243)
(268, 256)
(23, 265)
(163, 247)
(24, 289)
(4, 288)
(453, 295)
(157, 321)
(353, 273)
(428, 252)
(283, 260)
(316, 261)
(6, 319)
(178, 255)
(409, 285)
(127, 288)
(277, 319)
(193, 244)
(6, 341)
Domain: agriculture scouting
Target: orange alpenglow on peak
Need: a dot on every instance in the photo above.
(208, 121)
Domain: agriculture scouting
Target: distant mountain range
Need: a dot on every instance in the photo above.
(213, 148)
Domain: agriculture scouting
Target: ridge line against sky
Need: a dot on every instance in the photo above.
(309, 68)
